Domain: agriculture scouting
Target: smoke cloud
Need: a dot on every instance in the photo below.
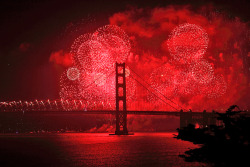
(227, 51)
(61, 58)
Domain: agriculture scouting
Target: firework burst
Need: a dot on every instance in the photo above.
(94, 55)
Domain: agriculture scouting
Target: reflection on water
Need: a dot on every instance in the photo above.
(92, 149)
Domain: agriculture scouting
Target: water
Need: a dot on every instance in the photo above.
(93, 149)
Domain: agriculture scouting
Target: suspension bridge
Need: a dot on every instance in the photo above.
(68, 106)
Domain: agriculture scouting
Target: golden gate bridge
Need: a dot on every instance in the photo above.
(69, 106)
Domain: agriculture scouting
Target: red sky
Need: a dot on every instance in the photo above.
(36, 34)
(149, 30)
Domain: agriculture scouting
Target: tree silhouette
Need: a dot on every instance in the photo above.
(222, 145)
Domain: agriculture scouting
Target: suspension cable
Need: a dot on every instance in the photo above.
(156, 89)
(153, 93)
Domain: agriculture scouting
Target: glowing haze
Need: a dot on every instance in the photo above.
(194, 60)
(197, 60)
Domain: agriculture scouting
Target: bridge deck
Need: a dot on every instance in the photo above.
(171, 113)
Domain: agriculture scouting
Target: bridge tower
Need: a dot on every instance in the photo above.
(121, 107)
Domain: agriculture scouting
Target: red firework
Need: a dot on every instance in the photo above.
(202, 71)
(162, 80)
(116, 40)
(188, 42)
(95, 55)
(92, 78)
(73, 73)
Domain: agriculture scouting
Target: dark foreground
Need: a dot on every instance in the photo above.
(225, 145)
(93, 149)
